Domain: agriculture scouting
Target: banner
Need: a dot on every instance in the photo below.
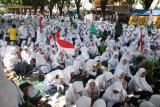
(142, 20)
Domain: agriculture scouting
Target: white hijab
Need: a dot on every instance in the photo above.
(103, 80)
(141, 82)
(109, 95)
(146, 104)
(67, 72)
(99, 103)
(155, 99)
(87, 88)
(125, 67)
(83, 102)
(9, 93)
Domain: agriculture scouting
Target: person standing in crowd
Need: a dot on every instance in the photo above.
(12, 32)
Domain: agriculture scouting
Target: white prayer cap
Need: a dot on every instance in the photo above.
(99, 103)
(78, 86)
(83, 102)
(146, 104)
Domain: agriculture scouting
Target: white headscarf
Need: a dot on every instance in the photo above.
(146, 104)
(141, 82)
(83, 102)
(112, 61)
(155, 100)
(99, 103)
(117, 74)
(125, 67)
(87, 88)
(67, 72)
(103, 80)
(110, 96)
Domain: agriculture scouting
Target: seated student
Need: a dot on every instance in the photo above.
(119, 76)
(104, 81)
(92, 90)
(73, 93)
(58, 62)
(138, 83)
(113, 62)
(124, 66)
(31, 94)
(115, 95)
(53, 83)
(68, 73)
(82, 76)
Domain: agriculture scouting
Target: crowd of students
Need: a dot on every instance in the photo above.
(98, 74)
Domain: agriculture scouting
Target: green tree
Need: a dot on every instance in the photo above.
(51, 4)
(35, 5)
(61, 4)
(130, 2)
(42, 4)
(77, 2)
(103, 4)
(147, 3)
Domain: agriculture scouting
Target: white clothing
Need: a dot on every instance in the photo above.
(83, 102)
(141, 82)
(71, 94)
(146, 104)
(104, 80)
(155, 100)
(9, 93)
(99, 103)
(112, 98)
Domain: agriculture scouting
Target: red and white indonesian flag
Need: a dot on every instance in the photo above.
(64, 45)
(141, 42)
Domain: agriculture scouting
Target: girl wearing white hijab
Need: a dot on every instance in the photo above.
(53, 82)
(124, 66)
(120, 77)
(155, 100)
(99, 103)
(114, 94)
(10, 59)
(3, 49)
(92, 90)
(25, 54)
(93, 50)
(138, 83)
(105, 80)
(73, 93)
(113, 62)
(83, 102)
(10, 94)
(68, 73)
(146, 104)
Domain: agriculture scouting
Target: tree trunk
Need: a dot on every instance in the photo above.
(60, 11)
(78, 10)
(50, 11)
(41, 9)
(103, 9)
(35, 11)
